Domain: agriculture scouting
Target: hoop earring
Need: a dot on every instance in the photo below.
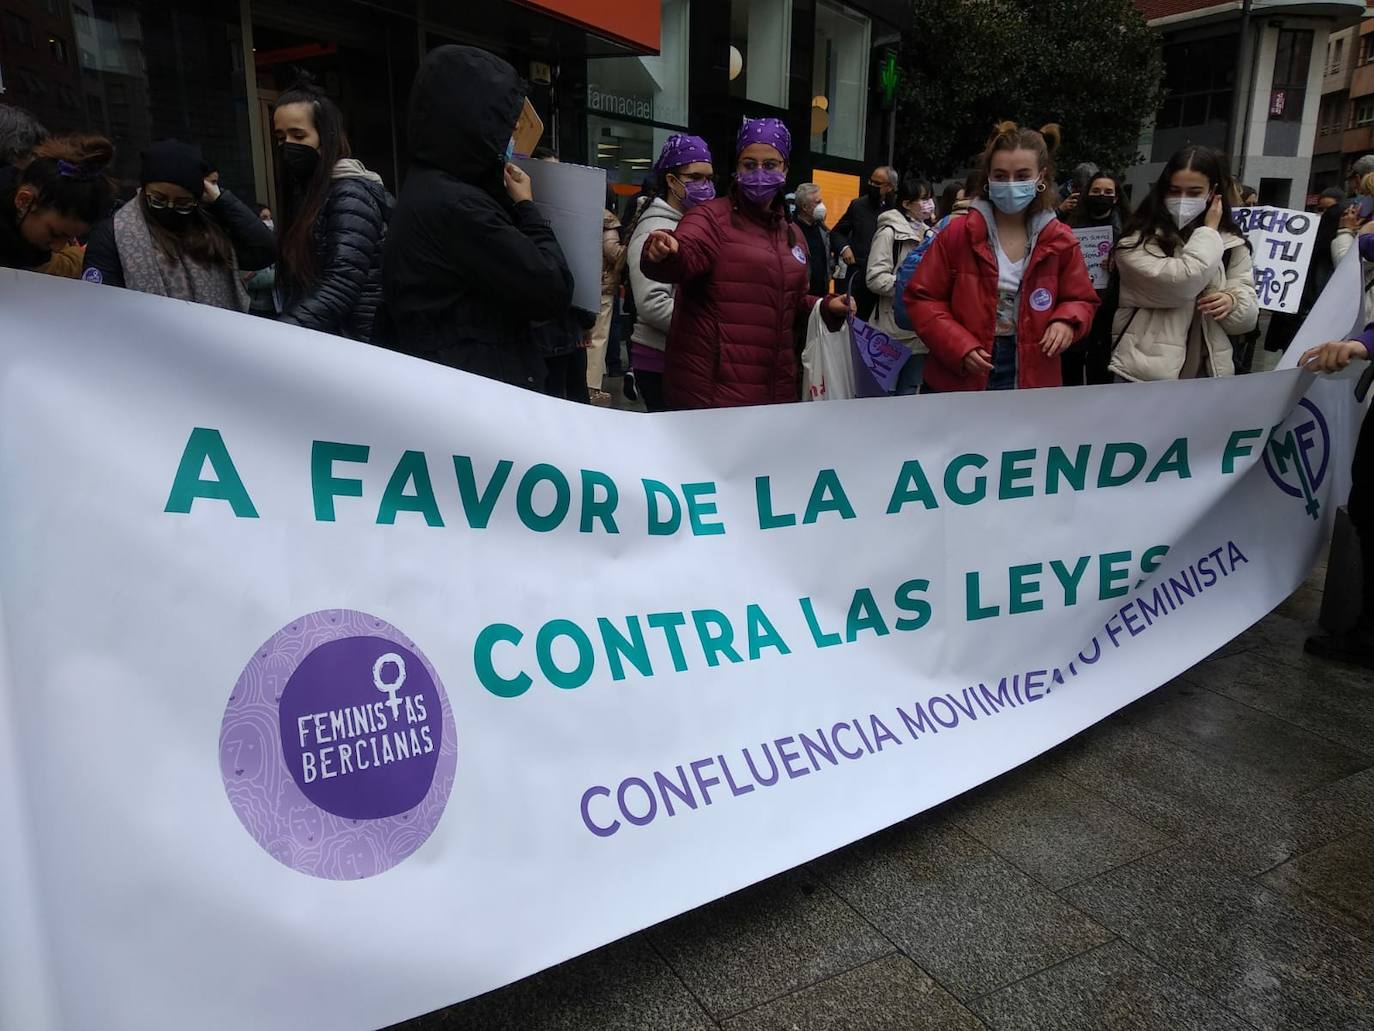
(1040, 188)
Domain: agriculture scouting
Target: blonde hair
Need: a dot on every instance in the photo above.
(1367, 185)
(1043, 143)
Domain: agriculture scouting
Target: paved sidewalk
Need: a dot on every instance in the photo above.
(1201, 861)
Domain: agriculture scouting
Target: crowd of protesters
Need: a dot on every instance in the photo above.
(709, 277)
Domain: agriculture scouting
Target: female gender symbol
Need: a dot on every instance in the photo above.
(391, 689)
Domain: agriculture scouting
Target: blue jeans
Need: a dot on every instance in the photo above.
(1003, 364)
(909, 379)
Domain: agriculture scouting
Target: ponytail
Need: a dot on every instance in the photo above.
(69, 174)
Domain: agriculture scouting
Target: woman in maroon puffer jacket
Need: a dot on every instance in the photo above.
(741, 270)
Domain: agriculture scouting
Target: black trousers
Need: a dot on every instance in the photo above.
(865, 300)
(650, 386)
(567, 376)
(1362, 510)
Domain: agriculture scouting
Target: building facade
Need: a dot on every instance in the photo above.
(610, 80)
(1345, 122)
(1246, 78)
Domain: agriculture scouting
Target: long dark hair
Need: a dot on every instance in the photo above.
(304, 204)
(1080, 217)
(69, 174)
(1152, 220)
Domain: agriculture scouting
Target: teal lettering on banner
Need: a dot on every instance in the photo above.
(412, 468)
(324, 485)
(207, 445)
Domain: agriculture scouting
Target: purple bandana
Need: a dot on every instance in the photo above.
(765, 130)
(681, 149)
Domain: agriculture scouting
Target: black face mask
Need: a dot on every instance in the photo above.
(1101, 207)
(168, 218)
(874, 195)
(299, 161)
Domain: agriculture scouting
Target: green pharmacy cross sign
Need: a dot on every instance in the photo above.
(888, 76)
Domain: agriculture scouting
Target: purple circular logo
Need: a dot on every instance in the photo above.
(337, 746)
(799, 254)
(1041, 300)
(1298, 453)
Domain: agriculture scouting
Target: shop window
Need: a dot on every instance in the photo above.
(760, 50)
(1292, 61)
(840, 82)
(635, 103)
(650, 89)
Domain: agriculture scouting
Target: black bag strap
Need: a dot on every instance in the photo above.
(1134, 313)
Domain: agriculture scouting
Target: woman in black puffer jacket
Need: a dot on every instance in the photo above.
(329, 269)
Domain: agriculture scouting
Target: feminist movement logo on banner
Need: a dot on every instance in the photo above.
(337, 747)
(1298, 454)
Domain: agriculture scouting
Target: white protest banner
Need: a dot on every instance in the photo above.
(336, 686)
(572, 198)
(1282, 242)
(1096, 242)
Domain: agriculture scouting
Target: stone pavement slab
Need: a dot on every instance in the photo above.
(889, 994)
(1111, 988)
(965, 915)
(771, 939)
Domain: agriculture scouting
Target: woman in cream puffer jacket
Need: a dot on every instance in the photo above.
(1191, 285)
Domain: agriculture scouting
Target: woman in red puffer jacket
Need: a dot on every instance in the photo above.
(741, 271)
(1003, 292)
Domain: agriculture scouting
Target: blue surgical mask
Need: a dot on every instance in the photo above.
(1013, 198)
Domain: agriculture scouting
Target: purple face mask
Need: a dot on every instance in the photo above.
(698, 191)
(760, 186)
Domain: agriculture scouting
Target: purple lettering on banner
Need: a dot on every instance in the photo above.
(1131, 619)
(878, 360)
(704, 783)
(1035, 680)
(787, 757)
(730, 780)
(337, 747)
(383, 713)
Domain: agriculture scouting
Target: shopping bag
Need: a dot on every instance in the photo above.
(827, 368)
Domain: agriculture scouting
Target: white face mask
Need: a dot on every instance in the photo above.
(1185, 209)
(819, 213)
(269, 223)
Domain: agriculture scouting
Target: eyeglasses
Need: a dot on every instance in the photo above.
(771, 165)
(182, 205)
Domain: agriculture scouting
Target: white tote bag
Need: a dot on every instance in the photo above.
(827, 362)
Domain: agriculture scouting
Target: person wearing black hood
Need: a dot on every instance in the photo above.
(334, 221)
(181, 236)
(63, 189)
(470, 263)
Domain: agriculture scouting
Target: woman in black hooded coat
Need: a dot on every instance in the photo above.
(470, 263)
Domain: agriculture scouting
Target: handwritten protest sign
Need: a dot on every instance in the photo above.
(1096, 242)
(1282, 241)
(878, 360)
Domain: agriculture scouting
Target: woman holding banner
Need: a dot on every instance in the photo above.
(57, 196)
(1187, 283)
(1004, 291)
(742, 275)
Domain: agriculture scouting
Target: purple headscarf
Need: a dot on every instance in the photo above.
(765, 130)
(681, 149)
